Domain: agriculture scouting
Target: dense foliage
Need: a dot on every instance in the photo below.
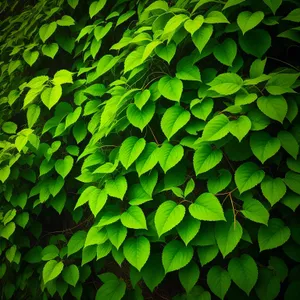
(149, 149)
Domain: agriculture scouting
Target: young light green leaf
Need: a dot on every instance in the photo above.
(9, 127)
(186, 70)
(140, 118)
(134, 218)
(188, 228)
(113, 289)
(202, 36)
(190, 186)
(176, 255)
(206, 158)
(189, 276)
(76, 242)
(226, 52)
(148, 159)
(130, 150)
(255, 211)
(289, 143)
(216, 184)
(273, 189)
(228, 236)
(96, 7)
(170, 88)
(174, 119)
(192, 26)
(240, 127)
(247, 176)
(169, 156)
(274, 235)
(116, 187)
(243, 271)
(281, 83)
(207, 207)
(248, 20)
(218, 281)
(137, 251)
(167, 216)
(201, 109)
(263, 145)
(226, 84)
(47, 30)
(30, 57)
(51, 270)
(64, 166)
(215, 17)
(116, 233)
(33, 113)
(51, 95)
(141, 98)
(70, 275)
(97, 201)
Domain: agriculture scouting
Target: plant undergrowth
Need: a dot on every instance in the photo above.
(149, 149)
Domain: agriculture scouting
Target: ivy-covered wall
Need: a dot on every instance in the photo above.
(149, 149)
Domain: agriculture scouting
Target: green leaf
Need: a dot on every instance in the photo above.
(263, 145)
(188, 228)
(258, 120)
(216, 184)
(140, 118)
(70, 275)
(130, 150)
(47, 30)
(274, 235)
(289, 143)
(9, 127)
(169, 156)
(62, 76)
(293, 164)
(167, 216)
(228, 236)
(190, 186)
(95, 7)
(207, 253)
(176, 255)
(215, 17)
(72, 117)
(73, 3)
(255, 211)
(8, 230)
(218, 281)
(141, 98)
(273, 4)
(248, 20)
(243, 271)
(226, 52)
(255, 42)
(153, 266)
(202, 36)
(51, 270)
(88, 254)
(64, 166)
(33, 113)
(293, 16)
(116, 187)
(240, 127)
(189, 276)
(281, 83)
(134, 218)
(149, 49)
(124, 17)
(206, 158)
(192, 26)
(113, 289)
(95, 236)
(292, 181)
(226, 84)
(50, 252)
(207, 208)
(148, 159)
(50, 50)
(97, 202)
(170, 88)
(186, 70)
(116, 233)
(137, 251)
(247, 176)
(174, 119)
(273, 189)
(257, 68)
(166, 52)
(76, 242)
(279, 266)
(66, 21)
(50, 96)
(30, 57)
(100, 32)
(201, 109)
(216, 128)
